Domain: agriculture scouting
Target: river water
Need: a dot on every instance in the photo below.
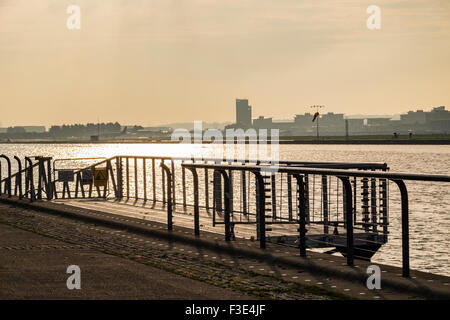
(429, 203)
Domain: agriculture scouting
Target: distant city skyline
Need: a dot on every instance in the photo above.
(434, 121)
(156, 62)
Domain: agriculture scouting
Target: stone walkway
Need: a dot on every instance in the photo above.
(277, 273)
(33, 266)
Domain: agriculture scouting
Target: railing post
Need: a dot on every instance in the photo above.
(325, 203)
(227, 220)
(30, 179)
(119, 169)
(196, 204)
(136, 191)
(163, 186)
(231, 189)
(40, 164)
(307, 215)
(111, 175)
(206, 190)
(144, 174)
(153, 180)
(172, 181)
(289, 190)
(183, 183)
(349, 219)
(274, 196)
(8, 181)
(405, 226)
(18, 178)
(169, 195)
(217, 192)
(261, 209)
(127, 172)
(49, 180)
(244, 192)
(302, 213)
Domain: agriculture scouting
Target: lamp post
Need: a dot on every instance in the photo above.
(316, 117)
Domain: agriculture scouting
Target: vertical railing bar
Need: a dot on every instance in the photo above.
(49, 180)
(144, 173)
(349, 219)
(302, 215)
(164, 183)
(289, 190)
(260, 209)
(39, 194)
(136, 191)
(405, 227)
(183, 183)
(166, 170)
(196, 204)
(127, 170)
(244, 192)
(154, 180)
(174, 201)
(325, 203)
(274, 195)
(206, 190)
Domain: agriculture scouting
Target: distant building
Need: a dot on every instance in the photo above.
(262, 123)
(378, 121)
(443, 126)
(414, 117)
(24, 129)
(332, 119)
(438, 113)
(34, 129)
(303, 120)
(243, 113)
(436, 121)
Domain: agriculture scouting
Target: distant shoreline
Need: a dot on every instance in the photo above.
(309, 140)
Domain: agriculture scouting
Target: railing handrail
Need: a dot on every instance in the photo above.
(353, 165)
(379, 165)
(350, 165)
(333, 172)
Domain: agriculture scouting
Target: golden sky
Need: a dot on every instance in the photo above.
(152, 62)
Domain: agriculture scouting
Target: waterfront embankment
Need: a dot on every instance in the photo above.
(358, 140)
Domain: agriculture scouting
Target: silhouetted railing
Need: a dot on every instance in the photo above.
(306, 204)
(344, 176)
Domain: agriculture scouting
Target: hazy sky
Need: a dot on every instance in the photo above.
(158, 61)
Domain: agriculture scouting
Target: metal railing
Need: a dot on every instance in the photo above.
(37, 178)
(344, 176)
(306, 204)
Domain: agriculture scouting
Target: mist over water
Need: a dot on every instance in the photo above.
(429, 203)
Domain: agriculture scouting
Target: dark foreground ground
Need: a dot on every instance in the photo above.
(126, 258)
(37, 248)
(34, 267)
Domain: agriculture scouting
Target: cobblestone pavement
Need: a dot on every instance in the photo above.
(197, 263)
